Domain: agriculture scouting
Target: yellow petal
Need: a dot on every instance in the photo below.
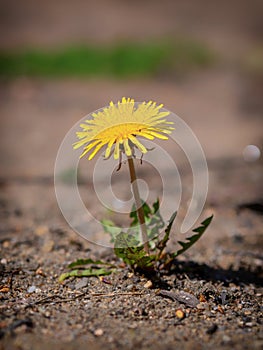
(146, 135)
(78, 144)
(89, 147)
(107, 153)
(96, 150)
(127, 148)
(118, 123)
(117, 150)
(159, 136)
(138, 144)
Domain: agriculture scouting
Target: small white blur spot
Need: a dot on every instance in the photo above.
(251, 153)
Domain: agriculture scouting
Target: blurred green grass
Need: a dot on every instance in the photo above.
(123, 60)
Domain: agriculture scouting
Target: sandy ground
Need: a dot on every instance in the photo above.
(223, 107)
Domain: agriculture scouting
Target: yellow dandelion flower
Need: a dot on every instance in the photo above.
(120, 125)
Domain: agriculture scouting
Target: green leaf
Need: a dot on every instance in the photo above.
(84, 273)
(162, 244)
(156, 206)
(153, 221)
(133, 214)
(111, 228)
(81, 262)
(126, 247)
(193, 239)
(146, 262)
(201, 229)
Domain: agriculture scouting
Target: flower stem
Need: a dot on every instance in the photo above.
(138, 204)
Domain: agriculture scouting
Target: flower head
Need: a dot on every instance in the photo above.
(120, 125)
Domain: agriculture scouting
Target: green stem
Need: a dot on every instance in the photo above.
(138, 204)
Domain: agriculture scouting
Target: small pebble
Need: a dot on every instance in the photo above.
(249, 324)
(48, 246)
(40, 272)
(133, 326)
(212, 329)
(41, 230)
(247, 312)
(180, 314)
(148, 284)
(226, 339)
(6, 244)
(82, 283)
(202, 299)
(98, 332)
(220, 309)
(31, 289)
(105, 280)
(3, 261)
(224, 297)
(130, 287)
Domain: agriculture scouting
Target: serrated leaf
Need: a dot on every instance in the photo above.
(156, 206)
(84, 273)
(162, 244)
(133, 214)
(126, 240)
(193, 239)
(153, 221)
(204, 225)
(82, 262)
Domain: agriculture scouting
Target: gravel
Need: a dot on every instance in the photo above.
(195, 304)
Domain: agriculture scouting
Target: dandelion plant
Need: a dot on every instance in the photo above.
(118, 130)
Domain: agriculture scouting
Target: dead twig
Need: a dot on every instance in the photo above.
(115, 294)
(50, 297)
(65, 300)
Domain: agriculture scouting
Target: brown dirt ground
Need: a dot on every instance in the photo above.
(222, 105)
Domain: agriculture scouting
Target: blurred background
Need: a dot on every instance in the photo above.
(60, 60)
